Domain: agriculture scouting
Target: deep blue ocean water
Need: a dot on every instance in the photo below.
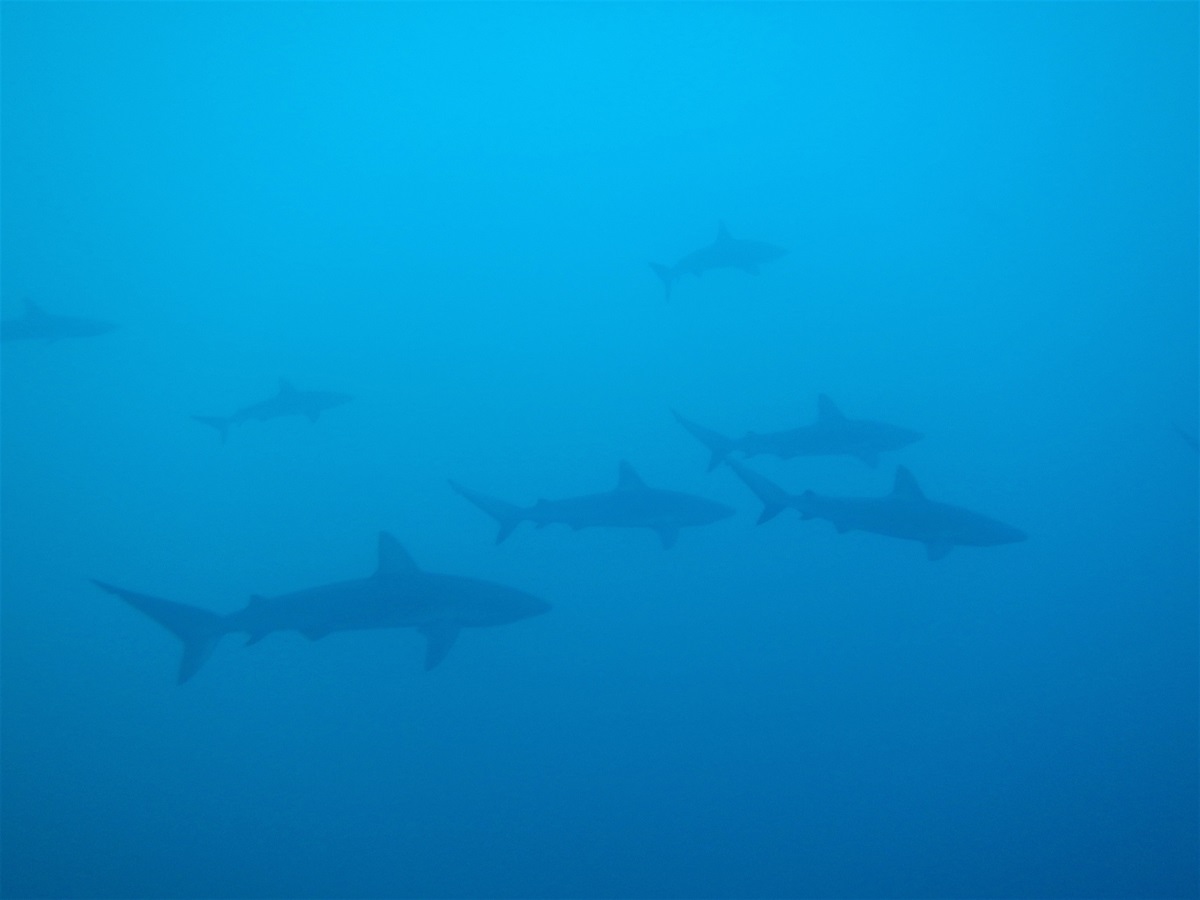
(448, 211)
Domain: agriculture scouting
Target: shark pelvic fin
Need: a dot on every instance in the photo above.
(905, 486)
(198, 629)
(393, 558)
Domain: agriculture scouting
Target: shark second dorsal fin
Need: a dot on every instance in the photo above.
(393, 559)
(826, 411)
(905, 486)
(627, 479)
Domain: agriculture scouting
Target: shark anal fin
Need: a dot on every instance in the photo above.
(440, 637)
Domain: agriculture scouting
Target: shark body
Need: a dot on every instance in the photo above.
(723, 253)
(397, 595)
(832, 434)
(38, 325)
(288, 401)
(905, 513)
(631, 504)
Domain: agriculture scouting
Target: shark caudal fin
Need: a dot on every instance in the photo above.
(774, 498)
(199, 629)
(508, 515)
(665, 274)
(718, 445)
(221, 423)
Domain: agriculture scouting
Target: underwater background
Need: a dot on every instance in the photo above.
(447, 211)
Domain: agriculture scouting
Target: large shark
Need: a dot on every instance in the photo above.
(724, 253)
(905, 513)
(832, 434)
(398, 595)
(287, 402)
(631, 504)
(38, 325)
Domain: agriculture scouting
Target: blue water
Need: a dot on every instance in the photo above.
(448, 211)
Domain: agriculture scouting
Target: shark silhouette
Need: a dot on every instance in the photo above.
(38, 325)
(832, 434)
(631, 504)
(724, 253)
(397, 595)
(287, 402)
(904, 513)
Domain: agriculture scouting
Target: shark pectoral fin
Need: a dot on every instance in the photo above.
(935, 550)
(668, 536)
(440, 637)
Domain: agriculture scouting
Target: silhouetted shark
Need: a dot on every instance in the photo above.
(724, 253)
(398, 595)
(288, 402)
(630, 505)
(38, 325)
(1188, 438)
(831, 435)
(904, 513)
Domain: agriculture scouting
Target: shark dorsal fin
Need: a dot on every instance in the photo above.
(32, 310)
(826, 411)
(905, 487)
(722, 232)
(393, 559)
(285, 387)
(627, 479)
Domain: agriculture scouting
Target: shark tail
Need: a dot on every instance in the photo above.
(666, 274)
(221, 423)
(198, 629)
(718, 445)
(508, 515)
(774, 498)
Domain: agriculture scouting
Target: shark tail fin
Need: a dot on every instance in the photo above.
(198, 629)
(508, 515)
(221, 423)
(774, 498)
(718, 445)
(666, 274)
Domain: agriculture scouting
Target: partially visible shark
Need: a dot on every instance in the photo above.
(1188, 438)
(832, 434)
(630, 505)
(287, 402)
(904, 513)
(724, 253)
(38, 325)
(397, 595)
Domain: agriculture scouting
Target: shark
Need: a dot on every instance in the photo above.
(832, 434)
(38, 325)
(905, 513)
(288, 401)
(725, 252)
(631, 504)
(397, 595)
(1188, 438)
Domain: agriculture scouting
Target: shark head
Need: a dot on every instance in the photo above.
(992, 533)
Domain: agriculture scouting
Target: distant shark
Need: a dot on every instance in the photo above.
(287, 402)
(904, 513)
(398, 595)
(832, 434)
(630, 505)
(1188, 438)
(38, 325)
(724, 253)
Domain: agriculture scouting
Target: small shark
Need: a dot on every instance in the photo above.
(38, 325)
(1188, 438)
(724, 253)
(904, 513)
(832, 434)
(288, 402)
(398, 595)
(630, 505)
